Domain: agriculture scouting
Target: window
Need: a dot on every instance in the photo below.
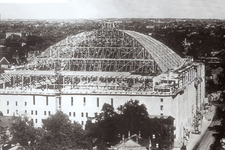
(7, 103)
(49, 113)
(161, 99)
(16, 111)
(153, 136)
(36, 120)
(16, 103)
(161, 114)
(59, 101)
(161, 107)
(7, 111)
(111, 101)
(45, 113)
(82, 114)
(25, 104)
(74, 114)
(46, 100)
(71, 101)
(25, 111)
(32, 120)
(69, 113)
(96, 114)
(36, 112)
(84, 101)
(86, 114)
(97, 102)
(31, 112)
(33, 99)
(82, 122)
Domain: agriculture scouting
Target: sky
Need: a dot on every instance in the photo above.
(93, 9)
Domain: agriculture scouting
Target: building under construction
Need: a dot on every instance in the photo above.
(82, 72)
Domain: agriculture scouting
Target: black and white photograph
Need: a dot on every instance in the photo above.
(112, 75)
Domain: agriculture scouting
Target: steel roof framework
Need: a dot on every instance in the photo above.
(97, 52)
(100, 50)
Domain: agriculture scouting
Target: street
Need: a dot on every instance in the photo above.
(207, 138)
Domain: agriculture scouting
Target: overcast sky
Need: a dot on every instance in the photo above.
(90, 9)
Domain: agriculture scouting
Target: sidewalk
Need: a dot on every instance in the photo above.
(195, 138)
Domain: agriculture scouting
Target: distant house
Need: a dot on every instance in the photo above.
(128, 144)
(4, 50)
(4, 63)
(150, 27)
(21, 34)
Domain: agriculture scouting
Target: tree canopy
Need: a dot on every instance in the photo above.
(60, 133)
(13, 41)
(56, 133)
(22, 131)
(132, 117)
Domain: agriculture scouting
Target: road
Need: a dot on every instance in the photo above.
(196, 140)
(207, 138)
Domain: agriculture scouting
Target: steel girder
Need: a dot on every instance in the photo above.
(100, 50)
(70, 82)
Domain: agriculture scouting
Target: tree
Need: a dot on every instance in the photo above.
(133, 118)
(4, 135)
(13, 41)
(59, 133)
(22, 131)
(104, 131)
(32, 40)
(106, 112)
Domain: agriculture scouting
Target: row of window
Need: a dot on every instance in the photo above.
(82, 122)
(84, 101)
(35, 120)
(49, 113)
(74, 114)
(32, 112)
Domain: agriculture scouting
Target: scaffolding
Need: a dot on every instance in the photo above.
(104, 59)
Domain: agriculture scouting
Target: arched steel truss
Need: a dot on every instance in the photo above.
(105, 59)
(101, 50)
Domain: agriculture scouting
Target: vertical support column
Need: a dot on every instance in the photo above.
(54, 82)
(115, 84)
(13, 83)
(35, 80)
(30, 83)
(144, 84)
(46, 79)
(71, 79)
(73, 53)
(69, 64)
(107, 83)
(63, 82)
(98, 82)
(133, 81)
(22, 82)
